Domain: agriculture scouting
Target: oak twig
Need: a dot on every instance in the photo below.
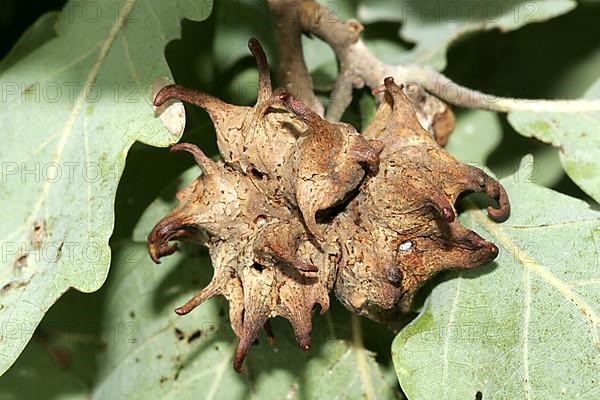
(359, 67)
(293, 75)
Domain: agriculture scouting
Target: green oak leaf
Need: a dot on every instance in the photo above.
(70, 111)
(576, 135)
(434, 24)
(525, 326)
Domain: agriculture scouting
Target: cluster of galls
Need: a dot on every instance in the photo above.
(299, 206)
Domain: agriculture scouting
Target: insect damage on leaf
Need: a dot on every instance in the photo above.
(299, 206)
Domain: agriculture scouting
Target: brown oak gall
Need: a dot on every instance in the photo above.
(298, 206)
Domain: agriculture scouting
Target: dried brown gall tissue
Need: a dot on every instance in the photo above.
(298, 206)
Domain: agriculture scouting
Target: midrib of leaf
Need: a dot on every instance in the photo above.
(543, 226)
(361, 359)
(525, 338)
(218, 378)
(89, 184)
(531, 264)
(446, 362)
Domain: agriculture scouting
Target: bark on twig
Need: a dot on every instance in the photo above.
(443, 87)
(293, 75)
